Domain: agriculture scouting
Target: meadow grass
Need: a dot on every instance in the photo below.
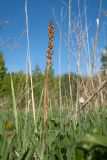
(61, 139)
(54, 133)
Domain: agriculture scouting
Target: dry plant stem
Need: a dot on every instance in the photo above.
(70, 117)
(95, 49)
(80, 41)
(101, 96)
(29, 63)
(45, 97)
(94, 93)
(60, 37)
(49, 62)
(69, 35)
(45, 112)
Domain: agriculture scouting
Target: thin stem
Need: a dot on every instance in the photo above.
(60, 37)
(29, 62)
(69, 35)
(45, 112)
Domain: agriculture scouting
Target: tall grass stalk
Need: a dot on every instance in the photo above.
(60, 45)
(49, 63)
(60, 38)
(95, 48)
(29, 62)
(14, 104)
(45, 113)
(69, 57)
(40, 102)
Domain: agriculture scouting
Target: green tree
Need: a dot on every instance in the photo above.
(3, 70)
(38, 82)
(19, 82)
(104, 61)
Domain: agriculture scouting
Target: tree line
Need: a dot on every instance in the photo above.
(21, 82)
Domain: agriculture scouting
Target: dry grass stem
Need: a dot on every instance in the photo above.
(71, 116)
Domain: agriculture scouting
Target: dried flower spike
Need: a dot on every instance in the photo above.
(49, 62)
(50, 43)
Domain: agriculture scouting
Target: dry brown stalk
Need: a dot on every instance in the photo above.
(71, 116)
(49, 63)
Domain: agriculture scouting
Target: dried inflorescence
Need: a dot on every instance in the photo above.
(49, 62)
(50, 43)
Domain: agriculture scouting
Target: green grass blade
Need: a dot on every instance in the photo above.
(14, 104)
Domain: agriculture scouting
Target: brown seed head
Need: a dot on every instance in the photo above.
(50, 43)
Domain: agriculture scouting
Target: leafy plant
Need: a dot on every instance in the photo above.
(92, 147)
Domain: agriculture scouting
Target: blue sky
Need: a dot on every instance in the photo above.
(13, 39)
